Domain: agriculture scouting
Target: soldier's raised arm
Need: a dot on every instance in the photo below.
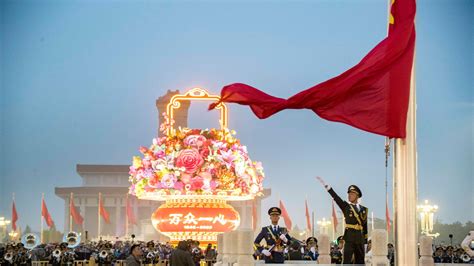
(341, 203)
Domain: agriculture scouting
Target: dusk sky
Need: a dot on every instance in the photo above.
(79, 81)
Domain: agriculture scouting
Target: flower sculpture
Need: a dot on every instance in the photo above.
(195, 162)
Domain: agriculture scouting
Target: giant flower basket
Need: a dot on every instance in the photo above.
(195, 171)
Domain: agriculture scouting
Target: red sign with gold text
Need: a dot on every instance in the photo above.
(217, 218)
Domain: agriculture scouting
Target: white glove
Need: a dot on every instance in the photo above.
(266, 252)
(321, 180)
(283, 237)
(302, 250)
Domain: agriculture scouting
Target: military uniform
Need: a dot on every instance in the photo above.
(312, 253)
(274, 244)
(355, 233)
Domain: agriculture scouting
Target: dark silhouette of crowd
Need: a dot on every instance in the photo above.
(106, 253)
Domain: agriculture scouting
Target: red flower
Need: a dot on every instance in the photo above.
(190, 159)
(204, 151)
(197, 183)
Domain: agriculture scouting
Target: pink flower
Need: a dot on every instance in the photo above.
(197, 183)
(190, 159)
(186, 178)
(227, 157)
(195, 141)
(178, 185)
(204, 151)
(168, 180)
(213, 184)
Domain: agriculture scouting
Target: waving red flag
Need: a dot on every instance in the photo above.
(14, 216)
(75, 214)
(103, 212)
(286, 216)
(46, 215)
(372, 96)
(130, 214)
(308, 220)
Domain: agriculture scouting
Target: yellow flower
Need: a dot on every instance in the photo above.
(137, 162)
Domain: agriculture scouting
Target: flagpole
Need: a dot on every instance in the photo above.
(312, 226)
(98, 215)
(405, 182)
(71, 201)
(126, 216)
(41, 217)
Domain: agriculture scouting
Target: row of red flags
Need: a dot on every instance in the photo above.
(74, 213)
(79, 220)
(289, 224)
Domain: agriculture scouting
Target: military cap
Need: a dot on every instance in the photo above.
(274, 210)
(355, 189)
(311, 239)
(150, 243)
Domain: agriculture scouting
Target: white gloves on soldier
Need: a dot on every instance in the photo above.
(321, 180)
(283, 237)
(266, 252)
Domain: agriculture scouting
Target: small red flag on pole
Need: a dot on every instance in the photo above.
(334, 217)
(74, 213)
(308, 219)
(46, 215)
(286, 216)
(14, 214)
(103, 211)
(130, 214)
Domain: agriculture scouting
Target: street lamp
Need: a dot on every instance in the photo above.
(324, 225)
(3, 225)
(426, 218)
(13, 235)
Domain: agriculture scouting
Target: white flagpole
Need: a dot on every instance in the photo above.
(42, 220)
(405, 183)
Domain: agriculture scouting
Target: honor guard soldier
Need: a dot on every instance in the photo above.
(355, 215)
(276, 237)
(312, 245)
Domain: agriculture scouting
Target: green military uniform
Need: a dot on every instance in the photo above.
(355, 233)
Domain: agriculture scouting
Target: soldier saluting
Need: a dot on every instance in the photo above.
(355, 215)
(275, 236)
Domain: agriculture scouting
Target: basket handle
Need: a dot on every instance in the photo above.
(195, 94)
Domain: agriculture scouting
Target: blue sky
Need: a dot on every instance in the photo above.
(79, 81)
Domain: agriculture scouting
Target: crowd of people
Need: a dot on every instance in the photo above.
(106, 253)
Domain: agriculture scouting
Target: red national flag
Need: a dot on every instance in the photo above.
(14, 216)
(130, 214)
(254, 215)
(103, 212)
(387, 215)
(372, 96)
(308, 220)
(334, 217)
(46, 215)
(285, 216)
(76, 215)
